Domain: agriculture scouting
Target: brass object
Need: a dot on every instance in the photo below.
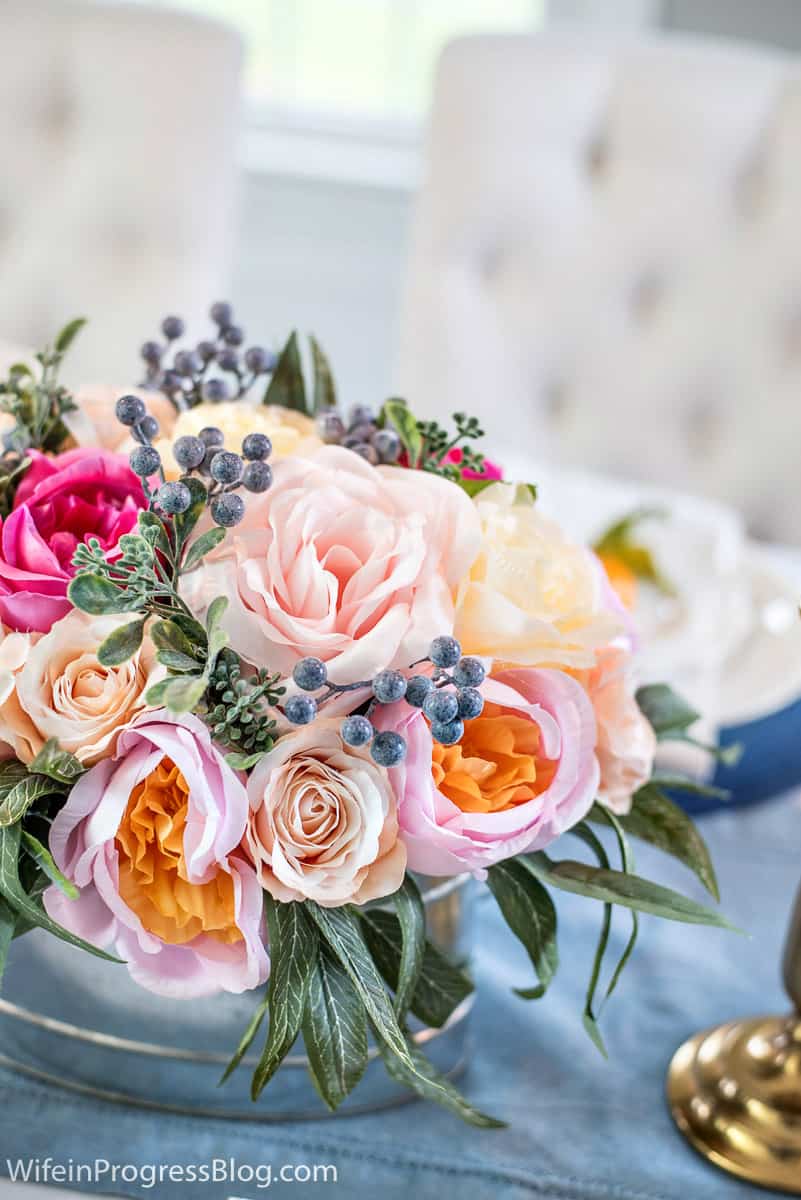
(735, 1091)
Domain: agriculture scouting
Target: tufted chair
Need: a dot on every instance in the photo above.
(606, 261)
(118, 126)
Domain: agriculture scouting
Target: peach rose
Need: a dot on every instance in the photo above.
(14, 649)
(626, 741)
(355, 564)
(533, 598)
(95, 424)
(61, 690)
(323, 821)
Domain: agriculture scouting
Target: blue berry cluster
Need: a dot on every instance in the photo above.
(361, 433)
(217, 368)
(448, 697)
(222, 471)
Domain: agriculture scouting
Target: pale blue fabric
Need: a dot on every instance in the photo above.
(580, 1128)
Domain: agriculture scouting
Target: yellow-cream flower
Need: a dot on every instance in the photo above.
(291, 433)
(532, 598)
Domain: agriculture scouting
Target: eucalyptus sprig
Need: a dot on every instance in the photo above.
(428, 444)
(37, 401)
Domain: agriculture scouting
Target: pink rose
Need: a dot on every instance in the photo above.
(354, 564)
(323, 821)
(151, 837)
(489, 470)
(626, 740)
(60, 502)
(524, 772)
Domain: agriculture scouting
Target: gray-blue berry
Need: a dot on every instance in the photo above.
(228, 360)
(130, 409)
(151, 353)
(471, 703)
(189, 451)
(207, 350)
(417, 689)
(170, 381)
(367, 452)
(144, 461)
(356, 731)
(174, 498)
(310, 674)
(447, 733)
(445, 652)
(172, 328)
(389, 686)
(387, 445)
(441, 706)
(226, 467)
(388, 748)
(256, 447)
(227, 510)
(360, 414)
(233, 335)
(221, 313)
(145, 430)
(300, 710)
(257, 476)
(187, 362)
(258, 360)
(469, 672)
(215, 391)
(330, 427)
(211, 435)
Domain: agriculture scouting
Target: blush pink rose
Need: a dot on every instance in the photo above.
(443, 837)
(626, 740)
(60, 502)
(355, 564)
(162, 821)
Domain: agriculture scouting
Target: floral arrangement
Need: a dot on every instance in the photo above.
(262, 666)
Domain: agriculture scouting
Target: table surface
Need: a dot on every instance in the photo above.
(580, 1128)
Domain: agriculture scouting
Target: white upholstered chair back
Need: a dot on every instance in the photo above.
(606, 261)
(118, 127)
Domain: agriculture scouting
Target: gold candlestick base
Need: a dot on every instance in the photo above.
(735, 1094)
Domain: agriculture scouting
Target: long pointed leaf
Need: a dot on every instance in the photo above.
(248, 1037)
(334, 1031)
(8, 921)
(529, 912)
(431, 1084)
(412, 916)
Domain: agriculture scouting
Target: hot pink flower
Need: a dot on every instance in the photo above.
(151, 837)
(60, 502)
(524, 773)
(490, 470)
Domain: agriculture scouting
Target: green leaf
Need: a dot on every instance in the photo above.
(121, 644)
(94, 594)
(589, 1019)
(412, 917)
(429, 1083)
(19, 799)
(202, 546)
(248, 1037)
(334, 1031)
(293, 953)
(30, 910)
(618, 542)
(185, 522)
(56, 763)
(181, 693)
(286, 387)
(244, 762)
(655, 819)
(68, 335)
(46, 863)
(529, 912)
(615, 887)
(441, 987)
(398, 413)
(325, 393)
(667, 713)
(627, 865)
(8, 922)
(168, 635)
(176, 661)
(474, 487)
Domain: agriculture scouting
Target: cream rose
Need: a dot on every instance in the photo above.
(323, 821)
(61, 690)
(532, 598)
(355, 564)
(290, 432)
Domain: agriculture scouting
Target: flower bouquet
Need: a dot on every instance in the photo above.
(264, 667)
